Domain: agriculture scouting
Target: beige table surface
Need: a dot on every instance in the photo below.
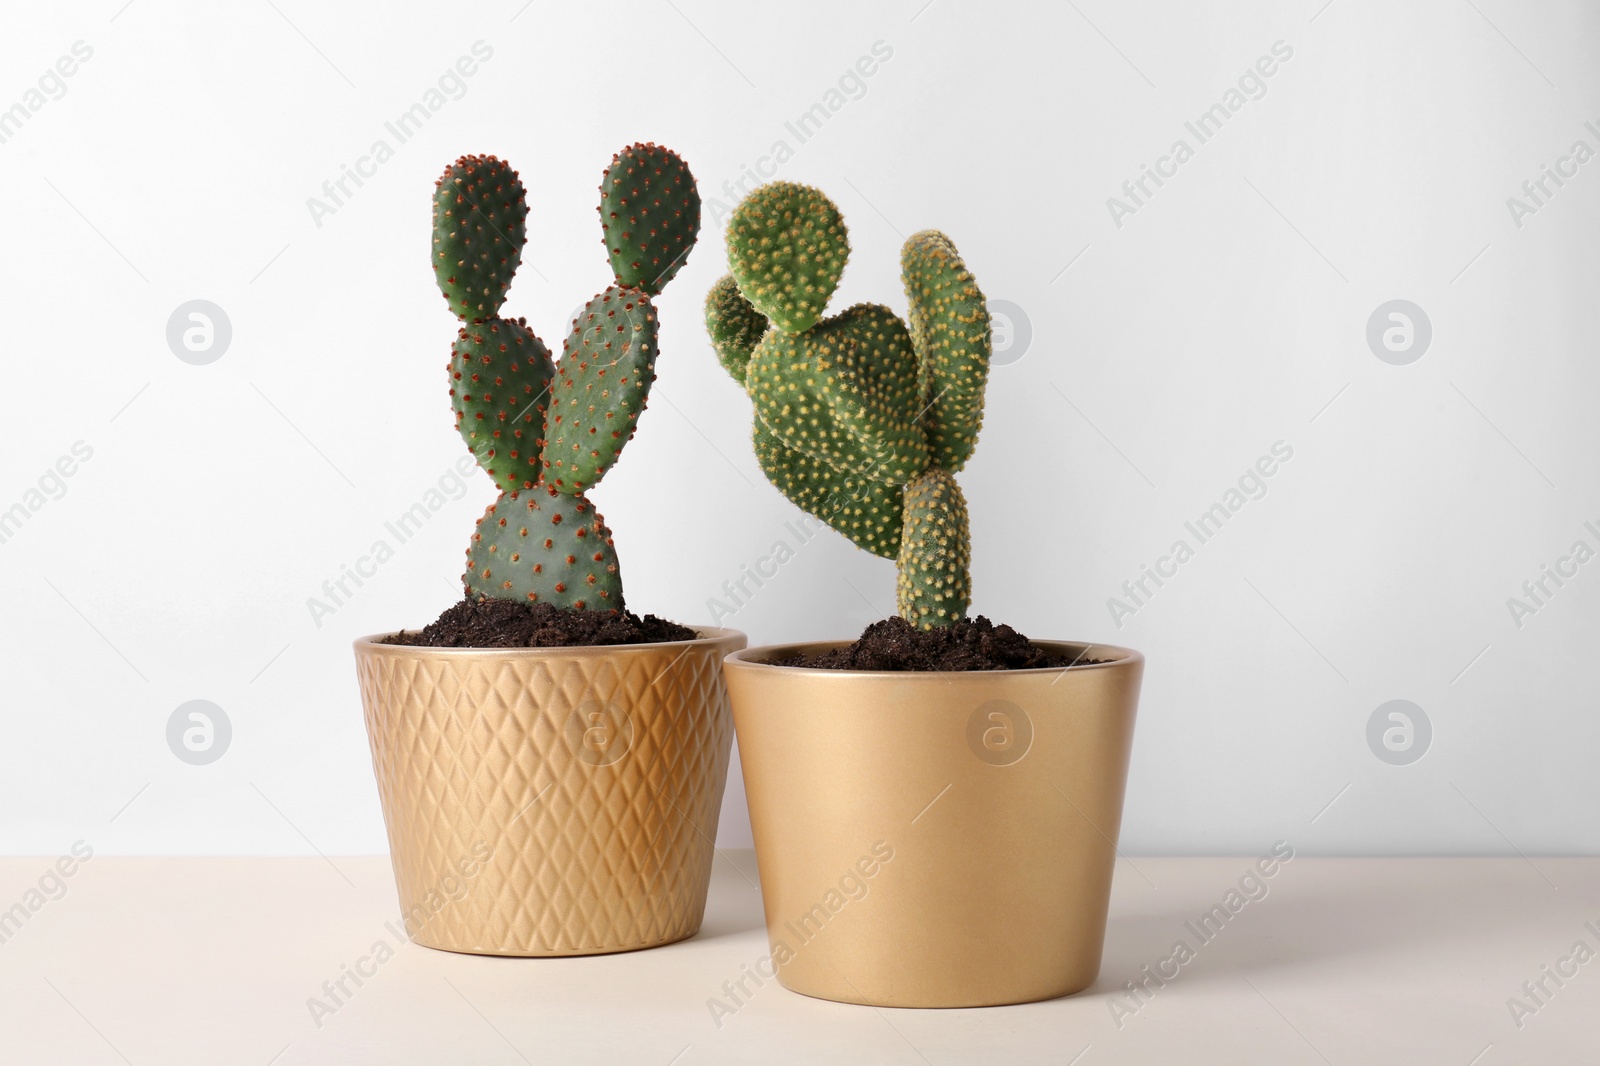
(213, 961)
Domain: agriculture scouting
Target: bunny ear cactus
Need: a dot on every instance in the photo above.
(860, 419)
(650, 212)
(480, 214)
(546, 431)
(787, 247)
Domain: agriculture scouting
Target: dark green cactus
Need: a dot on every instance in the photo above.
(860, 419)
(500, 386)
(479, 227)
(542, 545)
(546, 432)
(607, 365)
(650, 213)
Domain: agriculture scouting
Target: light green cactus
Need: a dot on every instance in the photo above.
(860, 420)
(547, 432)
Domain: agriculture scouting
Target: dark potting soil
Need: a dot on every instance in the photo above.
(491, 623)
(971, 644)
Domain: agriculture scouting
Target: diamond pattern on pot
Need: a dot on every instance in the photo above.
(549, 802)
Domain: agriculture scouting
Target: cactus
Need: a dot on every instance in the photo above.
(500, 374)
(479, 227)
(787, 247)
(734, 325)
(860, 419)
(545, 431)
(650, 212)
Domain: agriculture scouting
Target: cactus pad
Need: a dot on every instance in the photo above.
(934, 587)
(649, 214)
(601, 384)
(820, 392)
(500, 386)
(735, 326)
(479, 227)
(887, 369)
(867, 512)
(787, 247)
(950, 329)
(782, 385)
(541, 546)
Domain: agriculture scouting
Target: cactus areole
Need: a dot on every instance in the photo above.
(860, 419)
(547, 431)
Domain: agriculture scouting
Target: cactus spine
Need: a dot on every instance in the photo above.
(546, 431)
(860, 419)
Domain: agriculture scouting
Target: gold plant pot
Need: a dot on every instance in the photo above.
(935, 839)
(550, 801)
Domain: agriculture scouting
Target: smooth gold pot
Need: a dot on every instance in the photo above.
(550, 801)
(935, 839)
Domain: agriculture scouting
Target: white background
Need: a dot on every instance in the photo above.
(1167, 354)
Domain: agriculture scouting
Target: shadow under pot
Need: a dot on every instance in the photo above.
(550, 801)
(935, 839)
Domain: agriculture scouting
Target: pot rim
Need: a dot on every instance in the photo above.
(374, 644)
(759, 658)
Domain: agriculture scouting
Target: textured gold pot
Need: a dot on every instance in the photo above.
(550, 801)
(935, 840)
